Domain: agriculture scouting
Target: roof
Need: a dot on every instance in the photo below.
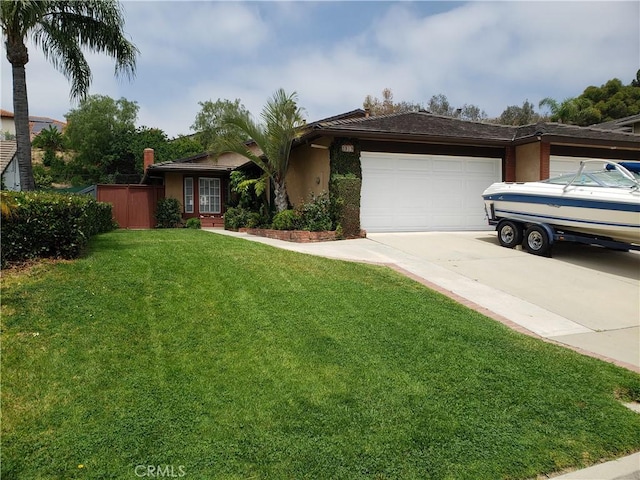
(203, 162)
(7, 152)
(6, 113)
(563, 133)
(37, 124)
(624, 123)
(418, 126)
(426, 127)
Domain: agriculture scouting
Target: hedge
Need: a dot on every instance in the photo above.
(44, 224)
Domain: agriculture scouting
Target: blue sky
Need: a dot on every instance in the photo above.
(333, 54)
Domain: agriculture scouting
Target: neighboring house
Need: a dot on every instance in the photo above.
(36, 124)
(9, 165)
(629, 124)
(7, 124)
(419, 171)
(200, 182)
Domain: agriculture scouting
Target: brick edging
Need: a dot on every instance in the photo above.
(298, 236)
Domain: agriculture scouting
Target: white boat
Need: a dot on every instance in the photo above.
(600, 205)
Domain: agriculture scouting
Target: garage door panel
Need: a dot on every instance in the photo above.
(405, 192)
(452, 165)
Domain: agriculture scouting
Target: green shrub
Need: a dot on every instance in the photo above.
(286, 220)
(168, 213)
(315, 215)
(235, 218)
(43, 224)
(194, 223)
(254, 220)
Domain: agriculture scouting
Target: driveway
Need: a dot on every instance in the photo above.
(585, 297)
(596, 291)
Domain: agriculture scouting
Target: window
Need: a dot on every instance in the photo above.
(188, 195)
(209, 195)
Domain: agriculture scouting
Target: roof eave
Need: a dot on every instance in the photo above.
(410, 137)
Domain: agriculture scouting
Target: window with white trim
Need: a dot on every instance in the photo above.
(209, 192)
(188, 195)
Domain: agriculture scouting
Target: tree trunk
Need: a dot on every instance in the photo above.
(18, 57)
(282, 202)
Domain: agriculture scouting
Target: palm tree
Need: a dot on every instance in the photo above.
(564, 112)
(60, 29)
(282, 121)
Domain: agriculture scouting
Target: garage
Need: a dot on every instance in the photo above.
(559, 164)
(412, 192)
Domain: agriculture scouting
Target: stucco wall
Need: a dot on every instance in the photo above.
(173, 187)
(308, 173)
(528, 162)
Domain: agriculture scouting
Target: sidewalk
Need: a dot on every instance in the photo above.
(515, 312)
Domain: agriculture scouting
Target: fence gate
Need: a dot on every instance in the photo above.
(134, 206)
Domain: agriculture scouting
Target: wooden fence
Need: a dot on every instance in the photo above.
(134, 206)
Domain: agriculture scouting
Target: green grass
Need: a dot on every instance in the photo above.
(229, 359)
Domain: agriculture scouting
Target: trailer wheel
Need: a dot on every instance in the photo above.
(509, 234)
(537, 240)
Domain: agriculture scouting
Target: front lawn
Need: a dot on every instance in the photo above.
(205, 356)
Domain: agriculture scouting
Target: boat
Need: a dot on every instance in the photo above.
(590, 205)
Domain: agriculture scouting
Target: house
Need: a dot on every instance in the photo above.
(629, 124)
(9, 165)
(200, 182)
(419, 171)
(36, 124)
(7, 124)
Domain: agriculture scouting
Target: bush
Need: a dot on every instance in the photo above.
(235, 218)
(168, 213)
(194, 223)
(286, 220)
(43, 224)
(315, 215)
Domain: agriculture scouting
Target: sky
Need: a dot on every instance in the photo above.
(333, 54)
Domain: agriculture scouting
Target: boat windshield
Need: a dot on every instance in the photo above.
(601, 178)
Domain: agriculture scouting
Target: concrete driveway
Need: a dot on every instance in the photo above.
(585, 297)
(589, 297)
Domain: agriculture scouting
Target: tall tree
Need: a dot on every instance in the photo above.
(386, 105)
(439, 105)
(209, 123)
(563, 112)
(515, 115)
(61, 29)
(282, 122)
(100, 132)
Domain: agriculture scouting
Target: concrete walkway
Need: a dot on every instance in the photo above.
(579, 298)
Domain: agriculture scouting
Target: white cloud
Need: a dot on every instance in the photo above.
(492, 54)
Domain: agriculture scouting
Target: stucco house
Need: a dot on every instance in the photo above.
(420, 171)
(9, 165)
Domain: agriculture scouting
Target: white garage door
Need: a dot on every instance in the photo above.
(406, 192)
(559, 165)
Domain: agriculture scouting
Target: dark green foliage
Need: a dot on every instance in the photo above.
(168, 213)
(51, 225)
(315, 215)
(610, 101)
(286, 220)
(345, 203)
(236, 217)
(193, 223)
(345, 185)
(343, 163)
